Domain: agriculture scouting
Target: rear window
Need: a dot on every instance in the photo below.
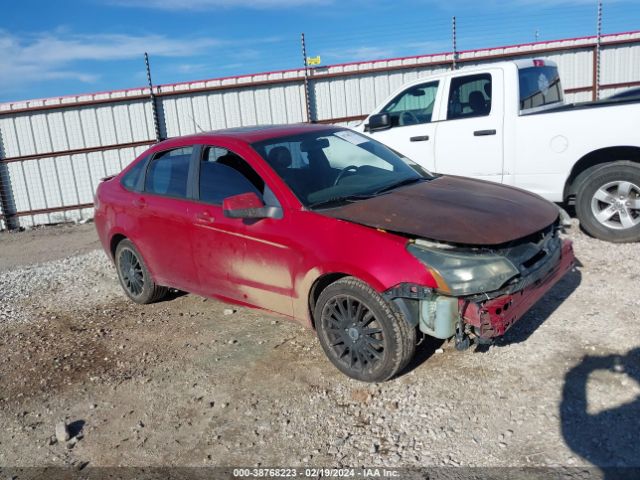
(539, 86)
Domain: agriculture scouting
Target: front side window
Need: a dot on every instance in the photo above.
(168, 173)
(225, 174)
(469, 96)
(337, 165)
(413, 106)
(539, 86)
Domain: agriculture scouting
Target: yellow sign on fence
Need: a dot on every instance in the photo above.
(313, 60)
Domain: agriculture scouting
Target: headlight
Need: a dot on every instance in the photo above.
(464, 273)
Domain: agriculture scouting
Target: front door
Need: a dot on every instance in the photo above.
(242, 260)
(469, 139)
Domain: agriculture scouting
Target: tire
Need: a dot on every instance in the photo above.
(353, 321)
(142, 289)
(608, 201)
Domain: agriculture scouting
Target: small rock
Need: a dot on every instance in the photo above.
(439, 350)
(231, 342)
(229, 311)
(62, 432)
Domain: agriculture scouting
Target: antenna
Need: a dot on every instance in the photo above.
(196, 123)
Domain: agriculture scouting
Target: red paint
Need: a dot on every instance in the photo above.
(268, 263)
(494, 317)
(242, 202)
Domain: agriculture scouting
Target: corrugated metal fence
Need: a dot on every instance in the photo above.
(53, 152)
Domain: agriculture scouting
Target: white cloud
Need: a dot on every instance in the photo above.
(56, 55)
(213, 4)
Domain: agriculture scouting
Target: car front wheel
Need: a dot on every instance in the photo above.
(134, 276)
(360, 332)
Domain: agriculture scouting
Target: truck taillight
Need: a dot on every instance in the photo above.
(538, 63)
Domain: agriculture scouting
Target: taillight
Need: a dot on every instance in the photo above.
(538, 63)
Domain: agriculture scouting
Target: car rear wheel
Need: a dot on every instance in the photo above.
(608, 202)
(134, 276)
(360, 332)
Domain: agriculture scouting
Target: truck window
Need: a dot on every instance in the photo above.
(469, 96)
(413, 106)
(539, 86)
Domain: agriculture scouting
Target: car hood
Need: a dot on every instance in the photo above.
(453, 210)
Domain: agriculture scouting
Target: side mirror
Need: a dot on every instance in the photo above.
(247, 205)
(379, 121)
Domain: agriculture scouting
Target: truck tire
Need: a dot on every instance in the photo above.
(360, 333)
(608, 201)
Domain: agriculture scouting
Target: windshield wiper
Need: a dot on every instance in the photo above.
(343, 199)
(401, 183)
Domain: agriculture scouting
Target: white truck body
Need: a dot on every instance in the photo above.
(508, 123)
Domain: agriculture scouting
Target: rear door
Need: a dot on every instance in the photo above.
(162, 209)
(412, 131)
(469, 138)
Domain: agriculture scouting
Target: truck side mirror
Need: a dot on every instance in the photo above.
(377, 122)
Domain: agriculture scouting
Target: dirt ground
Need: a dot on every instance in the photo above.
(182, 383)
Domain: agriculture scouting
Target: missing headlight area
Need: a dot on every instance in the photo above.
(484, 290)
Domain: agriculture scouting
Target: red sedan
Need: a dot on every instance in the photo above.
(333, 229)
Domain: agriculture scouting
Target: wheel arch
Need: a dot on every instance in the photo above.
(113, 243)
(595, 158)
(320, 283)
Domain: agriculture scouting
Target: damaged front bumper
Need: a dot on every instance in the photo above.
(490, 314)
(492, 317)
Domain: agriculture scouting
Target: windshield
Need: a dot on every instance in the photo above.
(337, 165)
(539, 86)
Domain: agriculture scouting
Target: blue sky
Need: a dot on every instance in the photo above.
(50, 48)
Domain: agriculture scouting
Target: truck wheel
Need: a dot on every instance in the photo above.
(360, 332)
(134, 276)
(608, 202)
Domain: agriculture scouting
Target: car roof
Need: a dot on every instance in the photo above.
(252, 134)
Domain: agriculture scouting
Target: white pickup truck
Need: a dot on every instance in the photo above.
(508, 123)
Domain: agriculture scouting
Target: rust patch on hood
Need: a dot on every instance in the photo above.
(454, 210)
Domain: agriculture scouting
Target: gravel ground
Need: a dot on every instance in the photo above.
(182, 383)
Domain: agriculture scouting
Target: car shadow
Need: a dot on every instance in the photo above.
(172, 295)
(541, 311)
(609, 438)
(424, 350)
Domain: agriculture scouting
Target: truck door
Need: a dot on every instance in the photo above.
(469, 138)
(411, 132)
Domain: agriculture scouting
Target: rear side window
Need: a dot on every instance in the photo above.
(131, 179)
(469, 96)
(539, 86)
(168, 173)
(225, 174)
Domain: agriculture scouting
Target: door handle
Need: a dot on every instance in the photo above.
(139, 202)
(419, 138)
(483, 133)
(204, 217)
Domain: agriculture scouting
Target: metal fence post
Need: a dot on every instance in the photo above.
(454, 38)
(152, 97)
(596, 85)
(306, 80)
(6, 199)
